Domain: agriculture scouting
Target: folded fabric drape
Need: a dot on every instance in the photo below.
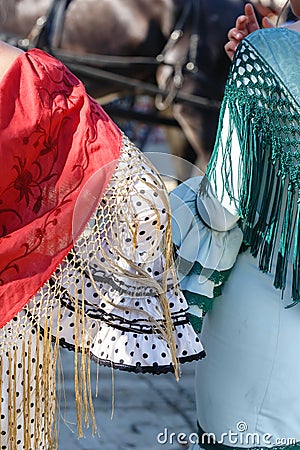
(54, 138)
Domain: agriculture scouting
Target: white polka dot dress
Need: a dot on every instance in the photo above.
(123, 269)
(108, 300)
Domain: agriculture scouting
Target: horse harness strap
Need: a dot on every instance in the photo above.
(196, 10)
(51, 33)
(199, 34)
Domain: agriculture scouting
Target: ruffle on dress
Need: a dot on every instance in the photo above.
(207, 240)
(121, 323)
(115, 274)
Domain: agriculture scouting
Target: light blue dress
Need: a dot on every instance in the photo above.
(248, 386)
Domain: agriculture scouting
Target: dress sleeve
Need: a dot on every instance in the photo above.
(206, 233)
(207, 240)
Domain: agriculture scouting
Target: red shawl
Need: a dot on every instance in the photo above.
(53, 139)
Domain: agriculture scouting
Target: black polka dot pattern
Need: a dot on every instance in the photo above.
(117, 298)
(115, 272)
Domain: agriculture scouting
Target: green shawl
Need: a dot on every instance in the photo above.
(262, 106)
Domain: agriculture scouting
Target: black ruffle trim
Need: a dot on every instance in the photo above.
(155, 369)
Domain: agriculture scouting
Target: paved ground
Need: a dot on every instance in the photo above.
(144, 406)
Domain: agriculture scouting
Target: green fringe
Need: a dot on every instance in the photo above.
(296, 260)
(285, 243)
(296, 263)
(271, 228)
(266, 119)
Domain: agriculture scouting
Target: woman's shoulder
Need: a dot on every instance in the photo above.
(277, 49)
(8, 54)
(274, 36)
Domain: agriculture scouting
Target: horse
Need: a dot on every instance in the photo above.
(173, 47)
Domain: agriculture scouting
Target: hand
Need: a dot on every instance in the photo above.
(244, 25)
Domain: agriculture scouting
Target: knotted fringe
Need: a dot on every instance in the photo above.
(266, 120)
(82, 373)
(29, 408)
(28, 381)
(296, 262)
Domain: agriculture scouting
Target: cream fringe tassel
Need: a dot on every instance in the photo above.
(29, 344)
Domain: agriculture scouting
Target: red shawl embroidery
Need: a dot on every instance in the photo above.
(53, 139)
